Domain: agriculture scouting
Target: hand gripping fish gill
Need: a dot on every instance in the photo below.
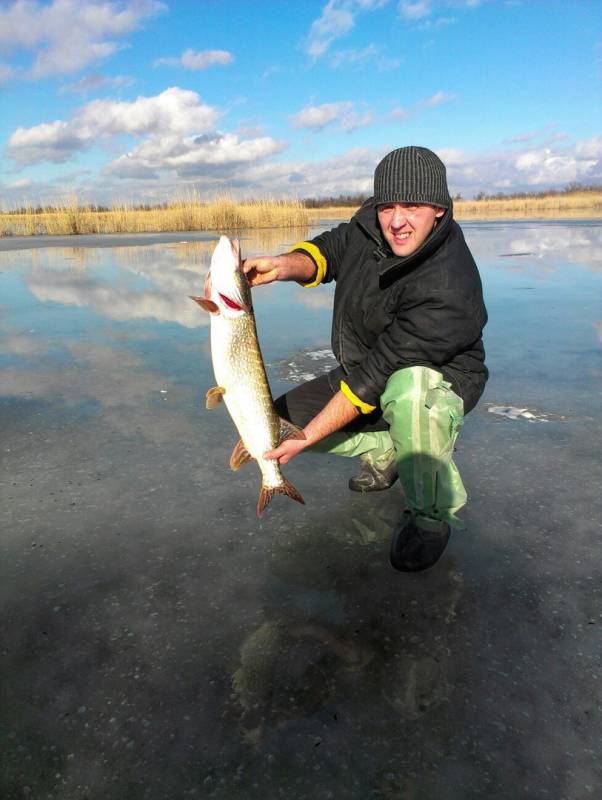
(240, 373)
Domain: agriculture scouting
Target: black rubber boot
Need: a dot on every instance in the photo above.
(373, 479)
(414, 548)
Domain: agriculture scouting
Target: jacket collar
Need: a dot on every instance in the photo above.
(388, 263)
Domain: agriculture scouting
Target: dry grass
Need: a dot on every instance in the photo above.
(190, 214)
(557, 206)
(587, 205)
(225, 214)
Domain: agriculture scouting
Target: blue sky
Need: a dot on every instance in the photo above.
(144, 101)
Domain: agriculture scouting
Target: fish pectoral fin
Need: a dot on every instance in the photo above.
(214, 396)
(289, 431)
(240, 455)
(206, 304)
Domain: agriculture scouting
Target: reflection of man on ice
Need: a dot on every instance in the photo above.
(407, 322)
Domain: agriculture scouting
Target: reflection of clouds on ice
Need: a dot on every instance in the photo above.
(121, 283)
(25, 345)
(305, 365)
(115, 301)
(316, 299)
(133, 399)
(544, 247)
(148, 281)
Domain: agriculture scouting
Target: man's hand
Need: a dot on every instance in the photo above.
(295, 266)
(287, 450)
(337, 413)
(262, 269)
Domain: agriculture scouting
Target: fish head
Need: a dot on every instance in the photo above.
(229, 287)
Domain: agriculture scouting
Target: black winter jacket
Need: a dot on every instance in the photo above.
(390, 312)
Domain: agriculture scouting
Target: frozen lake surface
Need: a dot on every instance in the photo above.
(158, 641)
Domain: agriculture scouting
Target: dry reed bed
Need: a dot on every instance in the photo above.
(221, 215)
(225, 214)
(586, 204)
(570, 206)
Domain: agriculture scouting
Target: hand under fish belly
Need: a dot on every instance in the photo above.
(240, 372)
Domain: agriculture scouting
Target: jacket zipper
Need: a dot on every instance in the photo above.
(341, 344)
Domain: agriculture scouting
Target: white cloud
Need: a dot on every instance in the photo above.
(21, 183)
(198, 60)
(545, 135)
(214, 154)
(70, 57)
(452, 157)
(415, 9)
(354, 56)
(370, 5)
(50, 141)
(419, 10)
(543, 167)
(521, 138)
(372, 55)
(95, 82)
(590, 148)
(351, 172)
(354, 120)
(174, 111)
(251, 130)
(67, 35)
(214, 163)
(336, 20)
(437, 99)
(343, 113)
(532, 169)
(400, 113)
(317, 117)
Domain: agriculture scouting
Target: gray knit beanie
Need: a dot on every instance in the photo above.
(411, 175)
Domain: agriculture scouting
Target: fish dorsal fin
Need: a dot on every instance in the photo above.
(289, 431)
(214, 396)
(206, 304)
(240, 455)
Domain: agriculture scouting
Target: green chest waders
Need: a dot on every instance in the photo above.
(424, 416)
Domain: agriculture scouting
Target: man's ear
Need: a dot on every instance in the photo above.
(439, 212)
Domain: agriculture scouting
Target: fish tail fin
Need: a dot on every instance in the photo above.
(267, 492)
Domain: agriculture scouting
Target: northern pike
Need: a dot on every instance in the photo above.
(240, 372)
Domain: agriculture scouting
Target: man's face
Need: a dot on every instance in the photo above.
(405, 226)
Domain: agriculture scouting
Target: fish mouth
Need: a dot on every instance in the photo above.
(227, 301)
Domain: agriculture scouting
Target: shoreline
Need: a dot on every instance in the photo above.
(190, 217)
(136, 239)
(469, 213)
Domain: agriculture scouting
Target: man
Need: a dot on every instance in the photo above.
(407, 323)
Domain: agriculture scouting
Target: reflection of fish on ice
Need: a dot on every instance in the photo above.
(240, 373)
(288, 668)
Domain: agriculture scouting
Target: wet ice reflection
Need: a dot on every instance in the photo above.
(160, 641)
